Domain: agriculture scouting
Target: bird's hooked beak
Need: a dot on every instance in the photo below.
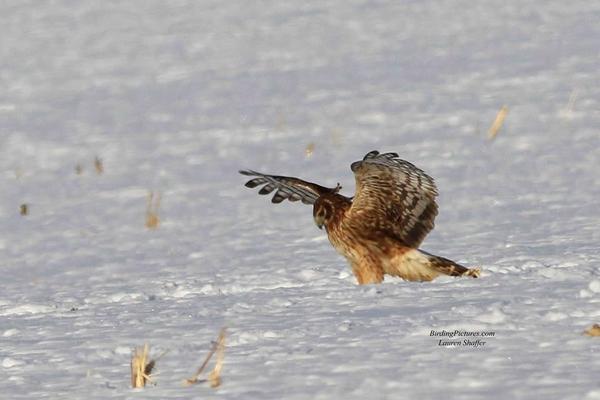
(319, 221)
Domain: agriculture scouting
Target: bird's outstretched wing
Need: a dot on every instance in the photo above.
(394, 196)
(293, 189)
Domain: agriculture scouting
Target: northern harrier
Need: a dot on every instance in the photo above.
(380, 229)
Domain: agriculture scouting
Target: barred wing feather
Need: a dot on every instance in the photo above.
(286, 187)
(393, 195)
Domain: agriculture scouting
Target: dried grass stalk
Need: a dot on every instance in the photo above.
(24, 209)
(593, 331)
(214, 377)
(310, 149)
(571, 103)
(99, 165)
(495, 128)
(152, 206)
(141, 368)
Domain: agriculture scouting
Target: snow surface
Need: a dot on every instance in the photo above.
(177, 96)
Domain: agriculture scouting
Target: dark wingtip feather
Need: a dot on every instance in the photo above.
(266, 189)
(371, 154)
(277, 199)
(252, 183)
(249, 172)
(288, 188)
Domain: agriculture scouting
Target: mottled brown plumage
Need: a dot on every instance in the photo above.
(380, 229)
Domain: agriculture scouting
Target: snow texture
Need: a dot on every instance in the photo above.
(177, 96)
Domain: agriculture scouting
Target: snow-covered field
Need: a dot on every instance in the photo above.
(177, 96)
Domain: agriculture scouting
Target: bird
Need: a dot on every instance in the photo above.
(379, 229)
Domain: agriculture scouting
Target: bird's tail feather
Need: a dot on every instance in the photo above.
(418, 265)
(449, 267)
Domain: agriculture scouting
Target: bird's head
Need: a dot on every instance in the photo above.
(322, 212)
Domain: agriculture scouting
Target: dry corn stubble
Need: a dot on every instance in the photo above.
(141, 368)
(99, 165)
(152, 206)
(214, 377)
(498, 122)
(309, 150)
(593, 330)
